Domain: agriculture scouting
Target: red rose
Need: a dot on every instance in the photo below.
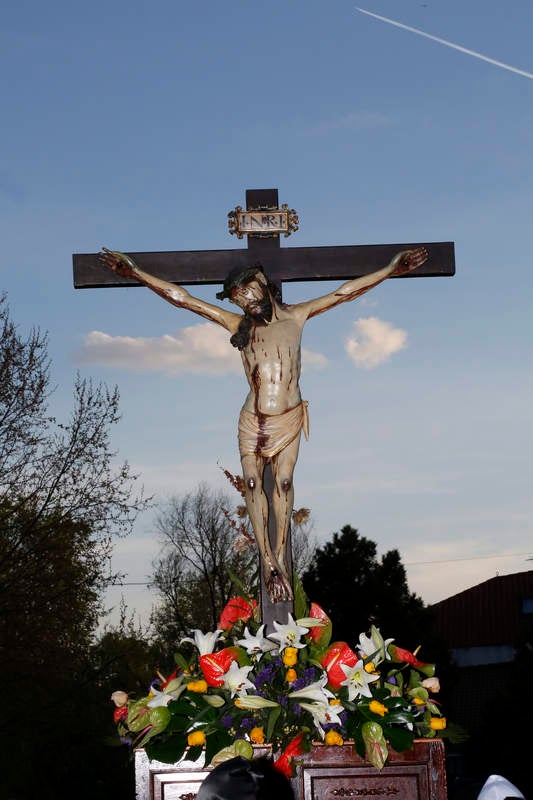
(321, 634)
(215, 665)
(338, 653)
(237, 608)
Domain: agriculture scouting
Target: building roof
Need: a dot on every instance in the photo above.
(487, 614)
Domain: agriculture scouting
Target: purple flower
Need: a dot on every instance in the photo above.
(247, 723)
(266, 675)
(309, 675)
(227, 722)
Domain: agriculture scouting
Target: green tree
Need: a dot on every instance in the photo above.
(357, 590)
(62, 501)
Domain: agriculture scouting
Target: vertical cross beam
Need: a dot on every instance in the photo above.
(266, 251)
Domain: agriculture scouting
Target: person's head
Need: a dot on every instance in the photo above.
(250, 289)
(242, 779)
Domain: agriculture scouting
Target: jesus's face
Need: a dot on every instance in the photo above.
(254, 299)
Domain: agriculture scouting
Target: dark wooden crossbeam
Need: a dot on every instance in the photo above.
(195, 267)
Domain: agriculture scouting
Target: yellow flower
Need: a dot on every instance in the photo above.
(437, 723)
(333, 738)
(290, 675)
(377, 708)
(418, 701)
(290, 656)
(197, 686)
(196, 738)
(257, 735)
(370, 667)
(335, 702)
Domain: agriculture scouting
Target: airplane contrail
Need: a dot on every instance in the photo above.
(448, 44)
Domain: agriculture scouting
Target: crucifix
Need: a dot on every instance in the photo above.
(268, 335)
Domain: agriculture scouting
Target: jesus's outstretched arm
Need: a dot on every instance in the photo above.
(403, 262)
(124, 265)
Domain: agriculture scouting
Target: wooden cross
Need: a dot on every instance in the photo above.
(280, 264)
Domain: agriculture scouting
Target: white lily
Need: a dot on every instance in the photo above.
(159, 699)
(374, 646)
(256, 644)
(289, 635)
(323, 714)
(235, 679)
(357, 680)
(204, 642)
(315, 691)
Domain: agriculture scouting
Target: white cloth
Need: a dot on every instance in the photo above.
(498, 788)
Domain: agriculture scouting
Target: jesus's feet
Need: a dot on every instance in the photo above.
(278, 587)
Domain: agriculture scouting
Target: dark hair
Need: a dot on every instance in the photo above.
(242, 779)
(240, 276)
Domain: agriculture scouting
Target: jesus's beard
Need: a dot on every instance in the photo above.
(262, 311)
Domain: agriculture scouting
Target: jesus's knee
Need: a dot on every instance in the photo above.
(252, 482)
(284, 484)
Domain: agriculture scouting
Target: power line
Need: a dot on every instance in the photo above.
(407, 564)
(471, 558)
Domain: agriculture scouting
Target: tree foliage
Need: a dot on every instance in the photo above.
(357, 589)
(62, 500)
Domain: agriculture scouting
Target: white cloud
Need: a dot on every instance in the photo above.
(202, 349)
(374, 342)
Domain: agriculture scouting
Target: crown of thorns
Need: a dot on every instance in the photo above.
(239, 276)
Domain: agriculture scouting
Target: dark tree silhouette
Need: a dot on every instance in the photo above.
(62, 501)
(357, 590)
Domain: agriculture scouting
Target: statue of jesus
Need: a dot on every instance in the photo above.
(268, 335)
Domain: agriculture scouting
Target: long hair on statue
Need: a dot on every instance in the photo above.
(242, 779)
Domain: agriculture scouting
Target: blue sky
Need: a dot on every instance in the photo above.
(139, 126)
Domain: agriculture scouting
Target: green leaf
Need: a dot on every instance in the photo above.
(217, 741)
(300, 599)
(181, 661)
(243, 659)
(400, 739)
(455, 733)
(178, 722)
(272, 719)
(399, 717)
(194, 753)
(168, 751)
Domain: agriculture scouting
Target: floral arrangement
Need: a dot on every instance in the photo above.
(287, 689)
